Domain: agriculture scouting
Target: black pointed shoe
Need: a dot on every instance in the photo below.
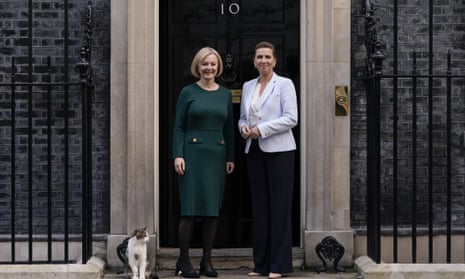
(207, 270)
(186, 272)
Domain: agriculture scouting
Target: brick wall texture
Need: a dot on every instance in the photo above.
(32, 174)
(413, 35)
(48, 19)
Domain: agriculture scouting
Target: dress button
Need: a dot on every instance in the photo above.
(194, 140)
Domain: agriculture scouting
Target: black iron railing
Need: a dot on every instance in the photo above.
(414, 139)
(44, 176)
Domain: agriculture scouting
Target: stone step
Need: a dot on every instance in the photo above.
(94, 269)
(231, 258)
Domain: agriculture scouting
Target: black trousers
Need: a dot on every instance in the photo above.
(271, 178)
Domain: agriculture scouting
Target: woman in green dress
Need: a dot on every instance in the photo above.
(203, 151)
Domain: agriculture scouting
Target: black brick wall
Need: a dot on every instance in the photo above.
(48, 22)
(449, 35)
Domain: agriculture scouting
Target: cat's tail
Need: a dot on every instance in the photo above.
(121, 251)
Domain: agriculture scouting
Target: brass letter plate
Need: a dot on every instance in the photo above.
(342, 100)
(236, 96)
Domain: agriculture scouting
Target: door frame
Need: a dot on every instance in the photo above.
(302, 122)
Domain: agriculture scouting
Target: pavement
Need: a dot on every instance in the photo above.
(242, 274)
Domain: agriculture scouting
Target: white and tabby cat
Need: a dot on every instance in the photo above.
(137, 252)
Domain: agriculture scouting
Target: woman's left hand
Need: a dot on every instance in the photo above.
(229, 167)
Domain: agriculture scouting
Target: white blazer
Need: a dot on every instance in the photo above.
(277, 114)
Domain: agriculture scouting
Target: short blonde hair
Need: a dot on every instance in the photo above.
(200, 56)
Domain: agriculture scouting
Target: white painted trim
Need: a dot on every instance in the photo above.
(303, 120)
(156, 129)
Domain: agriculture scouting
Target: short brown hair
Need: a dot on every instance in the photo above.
(200, 56)
(266, 45)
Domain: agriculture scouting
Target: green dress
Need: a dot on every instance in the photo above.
(204, 135)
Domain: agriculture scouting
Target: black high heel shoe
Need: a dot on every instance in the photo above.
(186, 272)
(207, 270)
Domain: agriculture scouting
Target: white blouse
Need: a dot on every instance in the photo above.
(253, 109)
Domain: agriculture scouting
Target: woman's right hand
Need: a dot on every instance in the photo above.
(179, 165)
(245, 131)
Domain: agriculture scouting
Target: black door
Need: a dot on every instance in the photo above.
(233, 28)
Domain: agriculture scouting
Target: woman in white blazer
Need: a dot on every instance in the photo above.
(268, 114)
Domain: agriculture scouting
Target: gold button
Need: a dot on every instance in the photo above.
(194, 140)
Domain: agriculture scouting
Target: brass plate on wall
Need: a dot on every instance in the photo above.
(342, 100)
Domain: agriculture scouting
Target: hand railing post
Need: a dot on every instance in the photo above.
(86, 88)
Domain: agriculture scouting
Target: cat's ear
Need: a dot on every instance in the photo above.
(145, 228)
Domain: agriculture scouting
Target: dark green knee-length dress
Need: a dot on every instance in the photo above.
(204, 136)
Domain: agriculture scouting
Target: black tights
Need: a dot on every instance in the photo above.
(186, 226)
